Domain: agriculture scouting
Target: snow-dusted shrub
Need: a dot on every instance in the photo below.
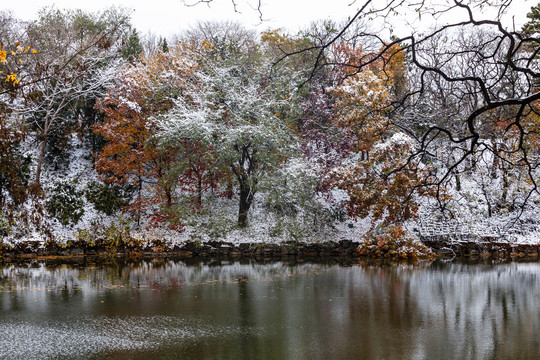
(291, 187)
(64, 202)
(112, 237)
(394, 243)
(59, 147)
(107, 198)
(212, 222)
(291, 229)
(5, 226)
(219, 226)
(292, 196)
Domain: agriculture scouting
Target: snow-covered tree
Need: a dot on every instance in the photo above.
(380, 176)
(139, 92)
(14, 167)
(229, 108)
(74, 62)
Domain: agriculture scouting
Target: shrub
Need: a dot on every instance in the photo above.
(110, 238)
(5, 226)
(65, 202)
(107, 198)
(394, 243)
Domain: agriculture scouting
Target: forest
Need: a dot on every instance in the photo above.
(227, 133)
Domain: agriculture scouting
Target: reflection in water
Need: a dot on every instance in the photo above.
(232, 310)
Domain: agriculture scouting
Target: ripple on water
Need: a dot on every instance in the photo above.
(81, 338)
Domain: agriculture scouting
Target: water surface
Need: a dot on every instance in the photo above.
(170, 309)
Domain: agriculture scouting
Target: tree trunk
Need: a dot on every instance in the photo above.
(199, 191)
(168, 194)
(506, 185)
(246, 199)
(488, 202)
(139, 196)
(247, 182)
(458, 183)
(495, 165)
(40, 159)
(230, 190)
(2, 185)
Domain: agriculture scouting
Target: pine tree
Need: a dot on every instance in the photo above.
(132, 47)
(162, 44)
(532, 27)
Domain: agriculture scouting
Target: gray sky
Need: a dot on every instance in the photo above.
(167, 17)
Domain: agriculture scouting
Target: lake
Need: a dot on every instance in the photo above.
(187, 309)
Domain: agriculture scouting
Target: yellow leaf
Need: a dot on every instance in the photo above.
(34, 51)
(13, 53)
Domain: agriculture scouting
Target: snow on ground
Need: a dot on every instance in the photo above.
(467, 215)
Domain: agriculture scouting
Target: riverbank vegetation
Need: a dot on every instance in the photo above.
(224, 133)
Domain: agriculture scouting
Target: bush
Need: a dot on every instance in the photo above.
(108, 198)
(394, 243)
(5, 226)
(110, 238)
(65, 202)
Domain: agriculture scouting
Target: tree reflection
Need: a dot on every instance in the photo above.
(282, 310)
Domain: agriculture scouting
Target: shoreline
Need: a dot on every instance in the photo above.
(343, 249)
(210, 249)
(490, 248)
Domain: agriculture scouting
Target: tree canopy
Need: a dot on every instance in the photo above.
(224, 126)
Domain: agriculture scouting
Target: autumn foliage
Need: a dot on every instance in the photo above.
(382, 178)
(130, 157)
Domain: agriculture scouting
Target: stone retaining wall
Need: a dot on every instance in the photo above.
(484, 248)
(217, 249)
(343, 248)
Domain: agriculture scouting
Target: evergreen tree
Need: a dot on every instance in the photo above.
(132, 47)
(532, 26)
(162, 44)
